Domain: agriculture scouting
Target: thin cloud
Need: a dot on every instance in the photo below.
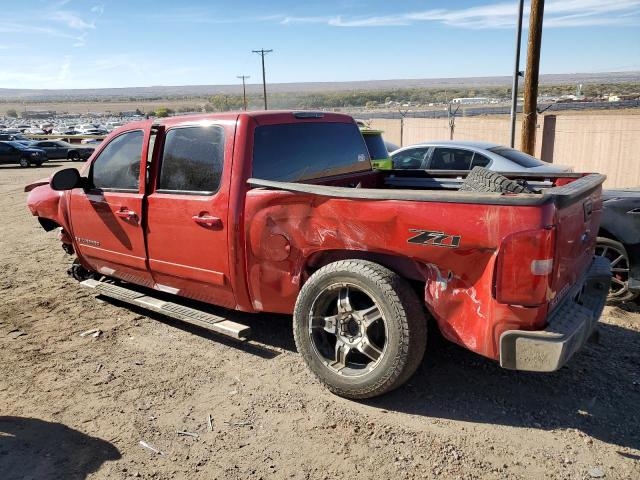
(72, 20)
(558, 13)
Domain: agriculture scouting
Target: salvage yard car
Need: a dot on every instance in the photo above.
(450, 155)
(619, 241)
(16, 152)
(282, 212)
(59, 149)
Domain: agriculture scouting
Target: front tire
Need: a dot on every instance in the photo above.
(24, 162)
(360, 328)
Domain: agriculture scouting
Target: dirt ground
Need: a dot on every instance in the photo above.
(75, 407)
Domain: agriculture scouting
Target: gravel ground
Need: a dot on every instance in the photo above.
(75, 407)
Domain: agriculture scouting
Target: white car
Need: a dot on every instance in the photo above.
(448, 155)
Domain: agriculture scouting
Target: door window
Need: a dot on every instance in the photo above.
(451, 159)
(118, 165)
(409, 159)
(192, 160)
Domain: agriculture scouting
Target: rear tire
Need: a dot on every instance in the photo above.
(480, 179)
(360, 328)
(73, 156)
(24, 162)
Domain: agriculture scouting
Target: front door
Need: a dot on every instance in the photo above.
(107, 218)
(187, 213)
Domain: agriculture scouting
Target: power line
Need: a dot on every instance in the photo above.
(262, 53)
(244, 90)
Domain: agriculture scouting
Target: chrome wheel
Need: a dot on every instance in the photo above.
(347, 330)
(617, 255)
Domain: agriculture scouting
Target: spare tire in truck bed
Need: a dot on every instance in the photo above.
(482, 180)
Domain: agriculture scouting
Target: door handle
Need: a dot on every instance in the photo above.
(125, 213)
(207, 220)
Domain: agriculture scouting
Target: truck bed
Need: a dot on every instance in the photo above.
(442, 186)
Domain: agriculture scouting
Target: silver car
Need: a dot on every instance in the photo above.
(466, 155)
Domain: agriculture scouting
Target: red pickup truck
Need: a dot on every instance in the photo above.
(282, 212)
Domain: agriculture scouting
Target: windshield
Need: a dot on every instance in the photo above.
(302, 151)
(517, 156)
(375, 145)
(18, 145)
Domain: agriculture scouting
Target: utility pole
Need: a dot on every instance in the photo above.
(262, 53)
(531, 78)
(516, 75)
(244, 91)
(403, 113)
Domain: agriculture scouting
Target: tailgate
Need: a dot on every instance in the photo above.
(579, 209)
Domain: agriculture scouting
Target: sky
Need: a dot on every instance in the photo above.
(124, 43)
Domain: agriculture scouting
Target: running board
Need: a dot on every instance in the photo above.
(179, 312)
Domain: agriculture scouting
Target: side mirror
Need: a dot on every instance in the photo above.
(67, 179)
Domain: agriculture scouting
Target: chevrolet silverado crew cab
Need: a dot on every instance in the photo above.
(282, 212)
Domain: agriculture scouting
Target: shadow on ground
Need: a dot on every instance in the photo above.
(597, 392)
(35, 449)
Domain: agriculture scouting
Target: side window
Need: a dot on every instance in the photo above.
(118, 165)
(480, 160)
(192, 160)
(451, 159)
(409, 159)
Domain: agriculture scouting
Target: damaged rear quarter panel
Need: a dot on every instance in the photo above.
(285, 229)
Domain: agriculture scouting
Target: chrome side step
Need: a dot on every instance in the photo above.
(179, 312)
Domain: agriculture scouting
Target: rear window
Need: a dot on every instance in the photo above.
(375, 145)
(303, 151)
(192, 160)
(517, 156)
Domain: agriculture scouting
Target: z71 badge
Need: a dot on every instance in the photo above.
(437, 239)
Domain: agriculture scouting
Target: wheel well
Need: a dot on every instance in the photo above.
(47, 224)
(603, 232)
(403, 266)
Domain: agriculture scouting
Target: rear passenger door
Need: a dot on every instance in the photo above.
(450, 159)
(187, 223)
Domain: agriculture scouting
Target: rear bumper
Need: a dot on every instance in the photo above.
(570, 325)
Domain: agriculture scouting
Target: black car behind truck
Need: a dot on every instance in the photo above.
(23, 155)
(619, 241)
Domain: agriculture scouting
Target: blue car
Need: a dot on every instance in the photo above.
(23, 155)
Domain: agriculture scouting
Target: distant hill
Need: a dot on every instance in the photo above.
(33, 95)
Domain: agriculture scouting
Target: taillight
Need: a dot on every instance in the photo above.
(524, 268)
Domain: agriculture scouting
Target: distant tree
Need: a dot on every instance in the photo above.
(163, 112)
(12, 113)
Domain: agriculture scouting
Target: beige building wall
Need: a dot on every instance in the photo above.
(605, 143)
